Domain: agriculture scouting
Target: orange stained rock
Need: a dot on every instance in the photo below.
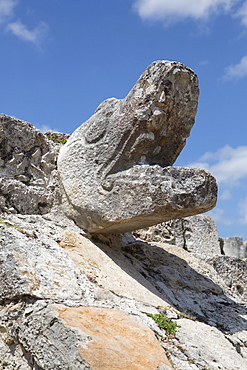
(119, 343)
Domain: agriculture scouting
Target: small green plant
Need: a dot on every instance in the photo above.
(185, 315)
(55, 139)
(148, 268)
(18, 228)
(165, 322)
(8, 224)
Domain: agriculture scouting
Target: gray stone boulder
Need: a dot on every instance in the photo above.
(234, 272)
(115, 169)
(212, 350)
(196, 234)
(234, 247)
(163, 232)
(27, 167)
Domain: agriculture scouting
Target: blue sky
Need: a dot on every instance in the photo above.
(60, 59)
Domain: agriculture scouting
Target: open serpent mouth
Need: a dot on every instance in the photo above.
(116, 168)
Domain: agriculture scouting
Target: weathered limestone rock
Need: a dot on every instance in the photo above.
(27, 164)
(101, 265)
(116, 169)
(163, 233)
(58, 337)
(234, 247)
(200, 339)
(63, 308)
(234, 272)
(46, 343)
(117, 341)
(23, 267)
(196, 234)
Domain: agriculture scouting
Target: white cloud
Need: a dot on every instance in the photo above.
(242, 13)
(44, 128)
(228, 165)
(16, 27)
(218, 215)
(175, 10)
(204, 62)
(6, 9)
(20, 30)
(238, 70)
(226, 195)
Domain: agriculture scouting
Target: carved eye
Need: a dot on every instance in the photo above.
(95, 132)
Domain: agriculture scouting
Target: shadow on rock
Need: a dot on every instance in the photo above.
(187, 283)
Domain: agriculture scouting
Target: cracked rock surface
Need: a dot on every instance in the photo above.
(60, 288)
(28, 162)
(196, 234)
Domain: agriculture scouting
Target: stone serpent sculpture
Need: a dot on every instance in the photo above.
(116, 169)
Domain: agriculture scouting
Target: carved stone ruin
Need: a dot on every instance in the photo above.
(116, 168)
